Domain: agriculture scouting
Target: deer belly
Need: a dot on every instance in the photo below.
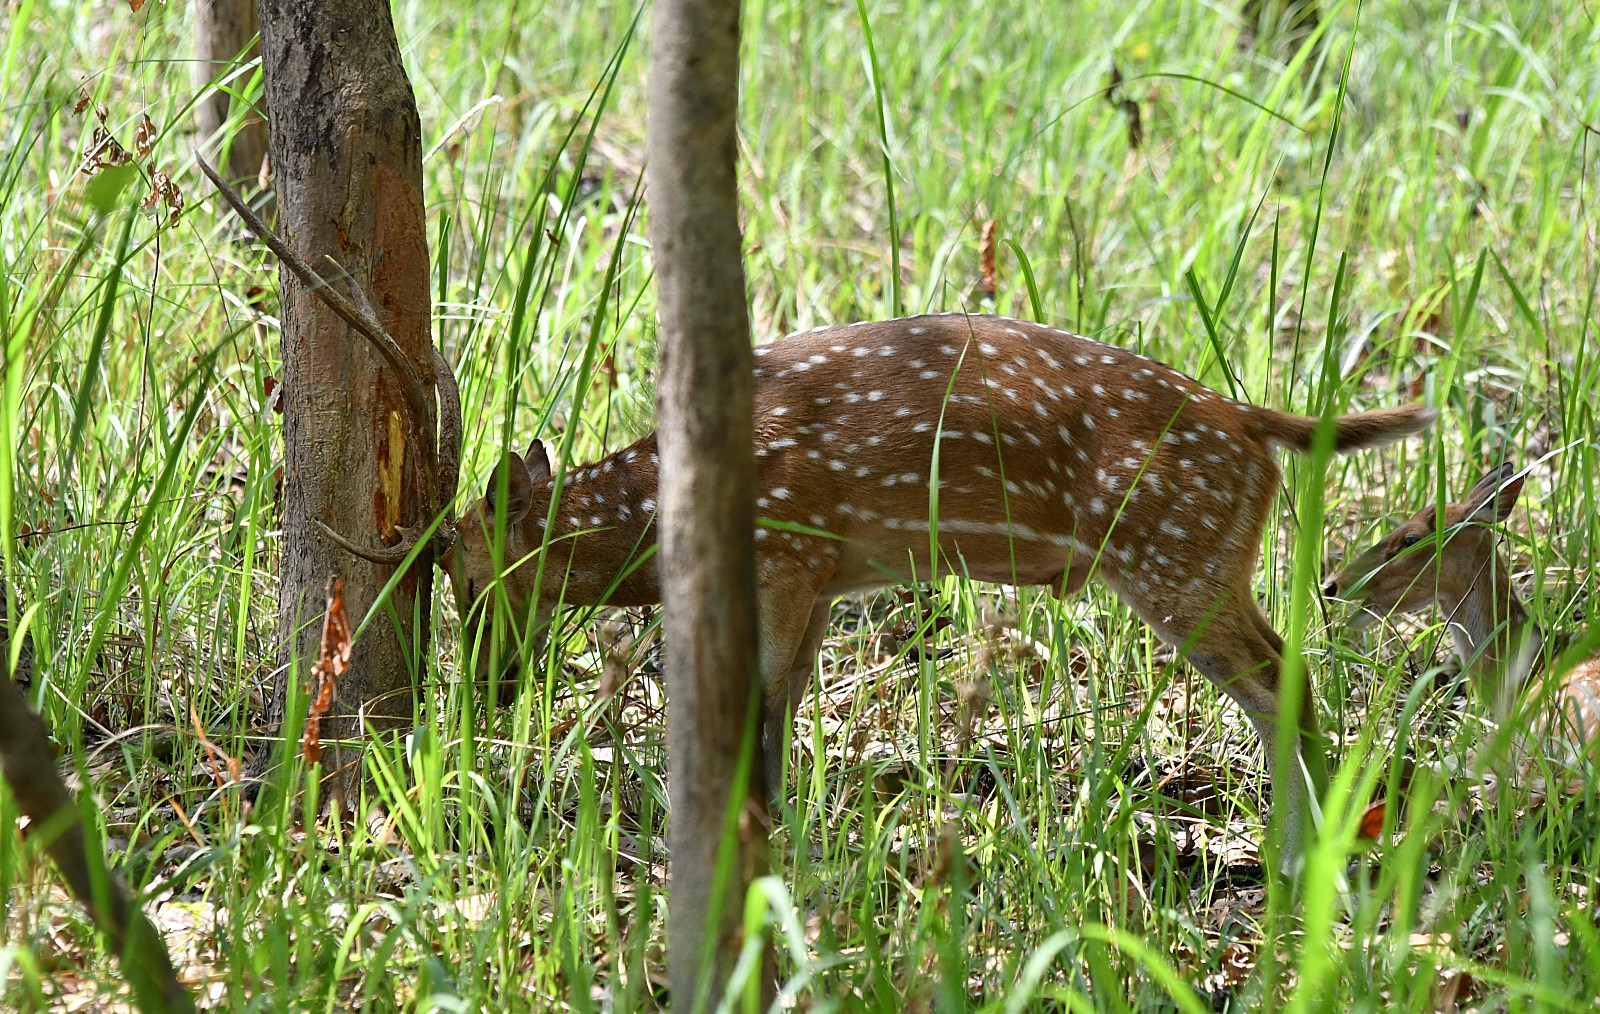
(1015, 555)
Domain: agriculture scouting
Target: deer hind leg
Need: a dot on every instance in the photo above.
(1227, 639)
(783, 691)
(794, 617)
(1314, 745)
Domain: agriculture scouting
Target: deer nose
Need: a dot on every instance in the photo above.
(1330, 587)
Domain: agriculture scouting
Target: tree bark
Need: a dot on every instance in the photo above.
(707, 493)
(224, 37)
(347, 167)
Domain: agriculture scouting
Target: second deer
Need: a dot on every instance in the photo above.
(1454, 562)
(897, 451)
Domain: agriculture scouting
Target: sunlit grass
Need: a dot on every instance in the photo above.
(1110, 805)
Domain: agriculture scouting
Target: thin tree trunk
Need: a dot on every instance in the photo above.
(223, 29)
(707, 492)
(347, 167)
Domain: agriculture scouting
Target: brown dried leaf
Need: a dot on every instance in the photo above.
(1236, 964)
(134, 5)
(163, 194)
(986, 268)
(332, 663)
(83, 102)
(1129, 108)
(273, 392)
(105, 151)
(1371, 827)
(220, 761)
(144, 138)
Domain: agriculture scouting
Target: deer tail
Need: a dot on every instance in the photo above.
(1351, 432)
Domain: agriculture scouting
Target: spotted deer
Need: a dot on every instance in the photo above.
(1455, 562)
(1037, 457)
(896, 451)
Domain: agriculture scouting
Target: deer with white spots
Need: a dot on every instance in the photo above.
(1046, 458)
(1455, 562)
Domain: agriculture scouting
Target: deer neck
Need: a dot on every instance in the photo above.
(1491, 631)
(604, 525)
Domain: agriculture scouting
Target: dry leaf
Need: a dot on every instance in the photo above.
(986, 269)
(220, 761)
(163, 193)
(1371, 826)
(105, 151)
(144, 138)
(1130, 108)
(333, 661)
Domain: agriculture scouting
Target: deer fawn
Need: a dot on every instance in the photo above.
(1454, 561)
(1045, 457)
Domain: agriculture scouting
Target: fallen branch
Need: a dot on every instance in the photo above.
(30, 771)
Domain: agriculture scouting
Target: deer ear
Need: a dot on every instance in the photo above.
(537, 461)
(519, 488)
(1494, 495)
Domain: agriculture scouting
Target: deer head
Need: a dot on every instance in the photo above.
(593, 547)
(483, 564)
(1424, 561)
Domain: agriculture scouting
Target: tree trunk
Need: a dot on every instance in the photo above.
(707, 492)
(224, 37)
(347, 166)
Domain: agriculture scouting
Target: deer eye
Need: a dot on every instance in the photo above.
(1410, 540)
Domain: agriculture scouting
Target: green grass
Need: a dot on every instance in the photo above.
(1432, 236)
